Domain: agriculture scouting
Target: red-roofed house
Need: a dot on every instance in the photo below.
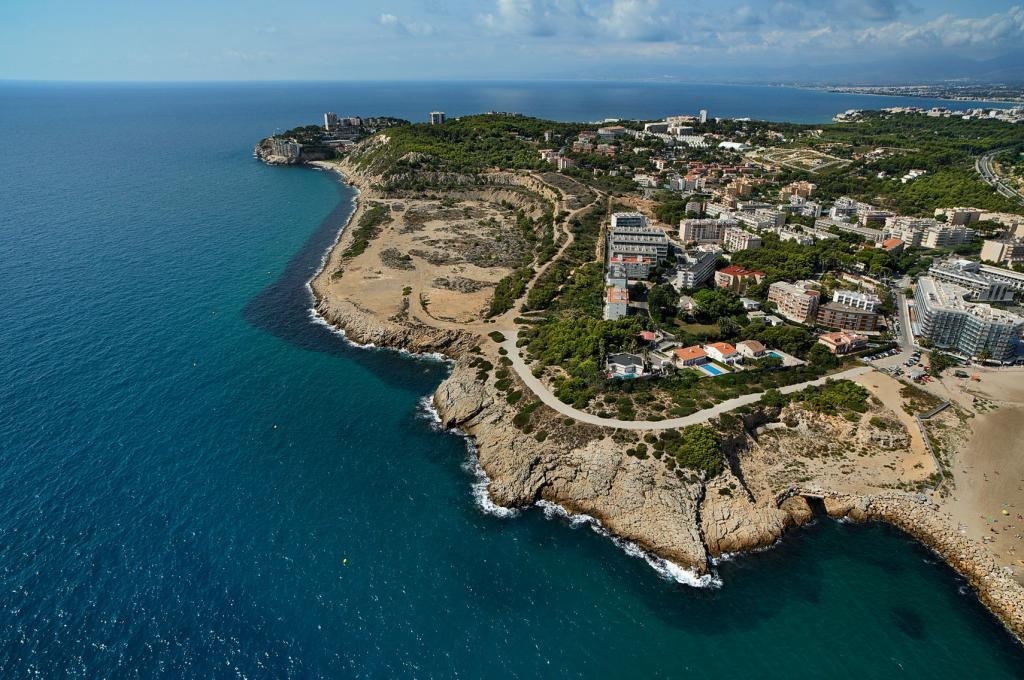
(690, 356)
(737, 278)
(892, 245)
(843, 342)
(722, 351)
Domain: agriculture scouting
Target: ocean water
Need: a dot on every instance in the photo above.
(196, 480)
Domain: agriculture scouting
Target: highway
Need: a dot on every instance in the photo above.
(984, 167)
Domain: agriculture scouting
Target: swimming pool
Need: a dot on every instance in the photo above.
(711, 369)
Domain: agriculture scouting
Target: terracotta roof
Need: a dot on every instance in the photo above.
(735, 270)
(688, 353)
(723, 348)
(617, 295)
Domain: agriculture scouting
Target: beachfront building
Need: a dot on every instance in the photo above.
(737, 279)
(795, 301)
(625, 365)
(950, 321)
(437, 117)
(616, 303)
(968, 274)
(735, 239)
(722, 352)
(689, 356)
(843, 342)
(751, 349)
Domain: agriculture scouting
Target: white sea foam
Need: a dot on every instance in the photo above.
(471, 464)
(670, 571)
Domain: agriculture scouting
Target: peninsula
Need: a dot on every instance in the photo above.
(704, 332)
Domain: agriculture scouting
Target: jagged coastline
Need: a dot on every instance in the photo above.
(688, 521)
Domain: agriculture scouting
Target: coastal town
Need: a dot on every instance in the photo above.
(710, 306)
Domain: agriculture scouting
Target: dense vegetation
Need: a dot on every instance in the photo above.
(367, 227)
(944, 147)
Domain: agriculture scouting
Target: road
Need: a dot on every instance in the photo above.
(984, 167)
(546, 396)
(906, 338)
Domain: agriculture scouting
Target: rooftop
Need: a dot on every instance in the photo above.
(688, 353)
(723, 348)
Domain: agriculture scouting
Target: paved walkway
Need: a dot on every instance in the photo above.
(545, 395)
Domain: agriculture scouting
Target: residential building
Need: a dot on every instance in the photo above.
(800, 237)
(689, 356)
(866, 233)
(843, 342)
(611, 132)
(1013, 279)
(723, 352)
(892, 245)
(751, 349)
(625, 365)
(629, 219)
(286, 148)
(703, 116)
(734, 240)
(616, 303)
(330, 121)
(630, 235)
(694, 268)
(858, 300)
(736, 278)
(951, 322)
(437, 117)
(838, 315)
(750, 304)
(633, 266)
(959, 215)
(926, 232)
(704, 230)
(795, 301)
(1008, 251)
(967, 274)
(564, 163)
(802, 189)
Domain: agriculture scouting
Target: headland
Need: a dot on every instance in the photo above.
(462, 243)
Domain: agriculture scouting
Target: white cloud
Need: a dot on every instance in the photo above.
(413, 28)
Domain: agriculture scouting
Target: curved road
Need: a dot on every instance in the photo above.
(545, 395)
(984, 167)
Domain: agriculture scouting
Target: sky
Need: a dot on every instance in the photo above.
(147, 40)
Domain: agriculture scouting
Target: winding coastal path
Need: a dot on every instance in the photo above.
(545, 395)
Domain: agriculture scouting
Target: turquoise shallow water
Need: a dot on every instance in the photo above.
(186, 460)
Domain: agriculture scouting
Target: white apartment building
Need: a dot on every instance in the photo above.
(704, 230)
(693, 268)
(951, 322)
(735, 239)
(857, 300)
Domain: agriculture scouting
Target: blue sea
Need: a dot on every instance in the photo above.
(197, 480)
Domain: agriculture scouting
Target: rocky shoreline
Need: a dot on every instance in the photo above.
(686, 520)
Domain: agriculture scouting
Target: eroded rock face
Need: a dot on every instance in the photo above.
(732, 521)
(639, 500)
(364, 328)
